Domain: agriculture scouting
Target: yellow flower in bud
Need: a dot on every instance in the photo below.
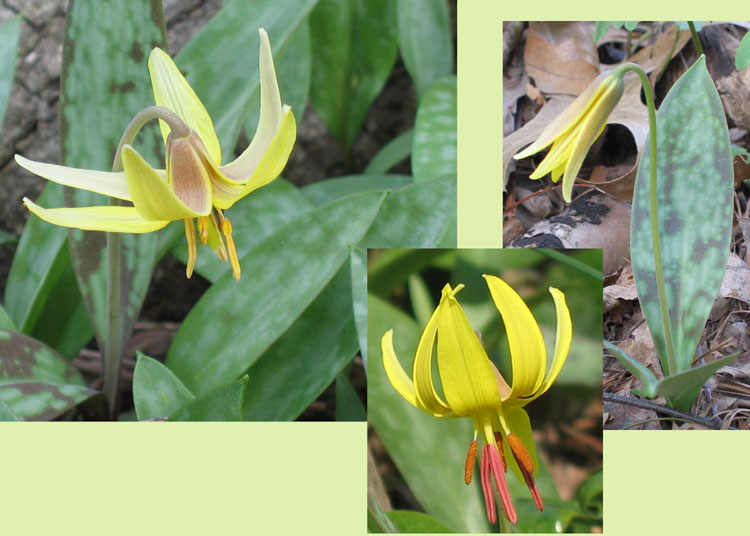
(473, 387)
(194, 184)
(573, 132)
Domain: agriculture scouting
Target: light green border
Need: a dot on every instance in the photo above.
(479, 66)
(108, 479)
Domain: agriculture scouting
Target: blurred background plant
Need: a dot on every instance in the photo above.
(373, 90)
(416, 461)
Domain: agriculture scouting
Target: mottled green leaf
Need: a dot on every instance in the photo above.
(36, 382)
(394, 152)
(435, 132)
(359, 298)
(9, 34)
(416, 522)
(695, 187)
(235, 322)
(306, 358)
(348, 405)
(742, 60)
(293, 72)
(425, 40)
(253, 218)
(220, 404)
(156, 391)
(329, 190)
(428, 452)
(417, 216)
(354, 45)
(104, 83)
(221, 62)
(7, 414)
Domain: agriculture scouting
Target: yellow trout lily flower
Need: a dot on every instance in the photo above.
(194, 186)
(473, 387)
(573, 132)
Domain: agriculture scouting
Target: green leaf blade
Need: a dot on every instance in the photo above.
(681, 389)
(235, 322)
(742, 60)
(425, 40)
(306, 358)
(636, 368)
(416, 216)
(354, 44)
(157, 392)
(222, 404)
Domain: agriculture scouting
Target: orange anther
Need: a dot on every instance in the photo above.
(471, 457)
(521, 454)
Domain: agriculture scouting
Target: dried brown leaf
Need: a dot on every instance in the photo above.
(561, 57)
(736, 283)
(614, 295)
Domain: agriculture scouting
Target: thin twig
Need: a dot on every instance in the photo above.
(714, 424)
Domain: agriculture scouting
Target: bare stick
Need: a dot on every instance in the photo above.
(708, 422)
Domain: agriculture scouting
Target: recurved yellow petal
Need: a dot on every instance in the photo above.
(427, 397)
(112, 184)
(469, 383)
(154, 199)
(172, 91)
(563, 338)
(252, 171)
(109, 218)
(527, 351)
(395, 372)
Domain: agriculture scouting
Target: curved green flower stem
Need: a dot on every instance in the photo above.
(114, 335)
(653, 209)
(696, 41)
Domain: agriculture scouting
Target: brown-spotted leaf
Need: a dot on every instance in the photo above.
(36, 382)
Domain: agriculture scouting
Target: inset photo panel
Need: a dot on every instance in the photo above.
(484, 390)
(628, 136)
